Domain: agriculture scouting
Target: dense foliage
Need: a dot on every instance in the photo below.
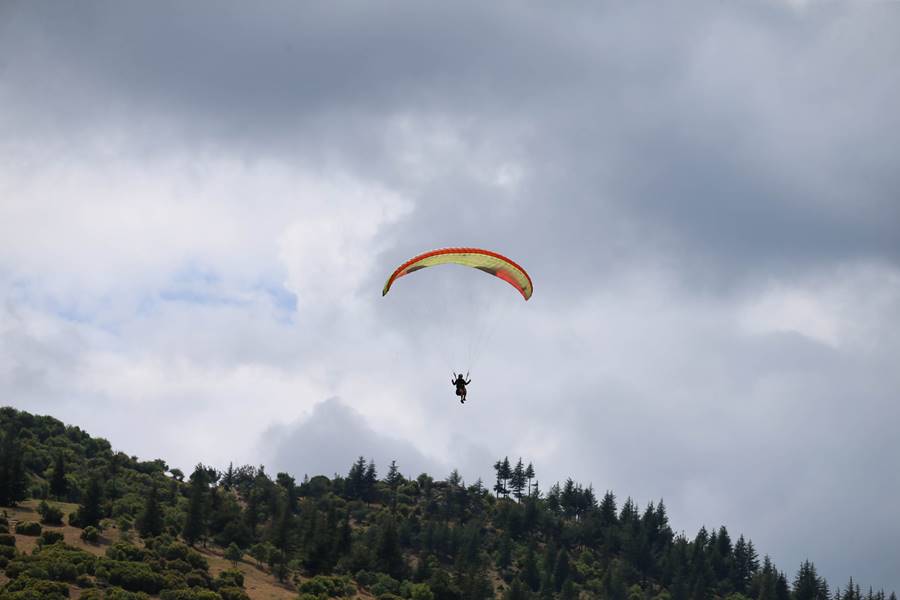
(393, 536)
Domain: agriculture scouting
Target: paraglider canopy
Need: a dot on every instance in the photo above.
(487, 261)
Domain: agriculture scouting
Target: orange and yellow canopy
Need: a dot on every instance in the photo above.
(484, 260)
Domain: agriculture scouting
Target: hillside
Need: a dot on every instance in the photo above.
(113, 526)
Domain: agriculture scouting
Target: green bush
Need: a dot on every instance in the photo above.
(120, 594)
(28, 528)
(48, 538)
(189, 595)
(132, 576)
(230, 578)
(233, 593)
(50, 515)
(122, 551)
(57, 562)
(46, 590)
(198, 578)
(328, 586)
(84, 581)
(90, 534)
(7, 552)
(7, 539)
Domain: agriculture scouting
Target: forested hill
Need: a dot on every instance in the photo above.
(146, 530)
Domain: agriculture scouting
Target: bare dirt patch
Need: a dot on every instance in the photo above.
(259, 585)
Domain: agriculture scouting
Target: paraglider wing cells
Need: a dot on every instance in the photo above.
(488, 261)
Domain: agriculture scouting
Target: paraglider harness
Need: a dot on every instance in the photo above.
(461, 384)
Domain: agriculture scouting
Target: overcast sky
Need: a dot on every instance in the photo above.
(199, 204)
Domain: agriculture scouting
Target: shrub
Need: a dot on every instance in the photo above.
(50, 515)
(132, 576)
(45, 590)
(28, 528)
(120, 594)
(230, 578)
(122, 551)
(90, 534)
(189, 595)
(84, 581)
(48, 538)
(233, 593)
(7, 539)
(7, 552)
(328, 586)
(198, 578)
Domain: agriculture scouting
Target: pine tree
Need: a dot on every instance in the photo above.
(782, 591)
(807, 583)
(91, 510)
(394, 478)
(12, 469)
(561, 570)
(504, 552)
(529, 475)
(370, 478)
(499, 488)
(517, 480)
(608, 516)
(228, 477)
(530, 574)
(390, 555)
(516, 591)
(740, 573)
(355, 482)
(195, 522)
(505, 475)
(282, 541)
(150, 521)
(552, 500)
(58, 484)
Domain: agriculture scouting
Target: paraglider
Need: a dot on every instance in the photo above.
(461, 384)
(487, 261)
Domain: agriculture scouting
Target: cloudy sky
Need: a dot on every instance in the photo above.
(199, 205)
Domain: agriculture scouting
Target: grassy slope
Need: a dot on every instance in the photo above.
(258, 584)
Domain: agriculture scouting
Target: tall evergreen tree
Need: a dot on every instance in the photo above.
(505, 475)
(517, 480)
(58, 484)
(529, 475)
(12, 468)
(499, 487)
(195, 521)
(393, 478)
(91, 510)
(516, 591)
(282, 540)
(150, 522)
(561, 570)
(608, 516)
(530, 573)
(808, 585)
(370, 478)
(390, 555)
(355, 482)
